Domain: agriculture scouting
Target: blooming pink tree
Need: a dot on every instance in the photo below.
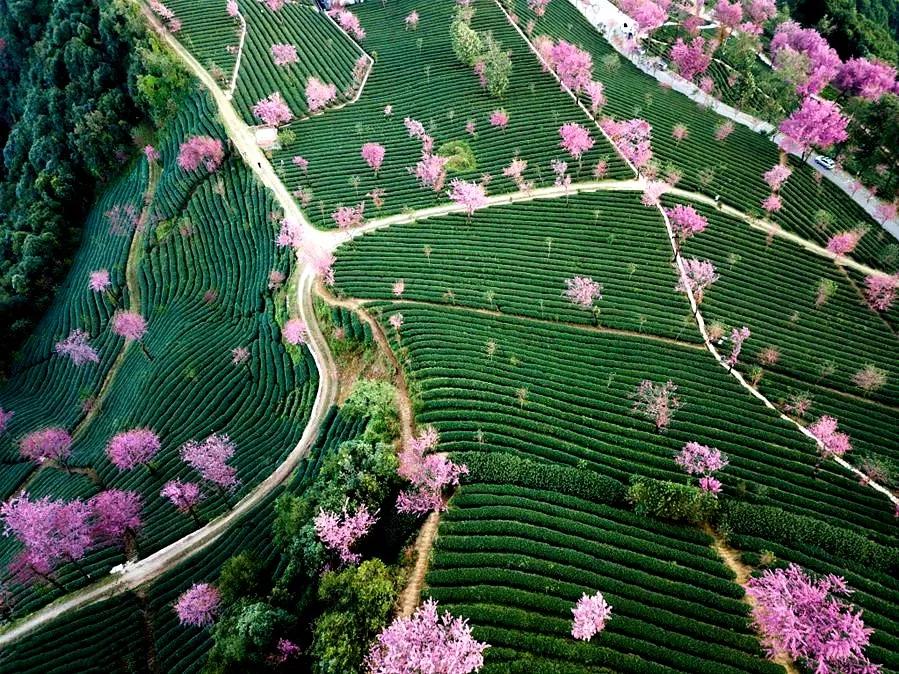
(199, 605)
(76, 348)
(723, 130)
(319, 94)
(590, 615)
(210, 459)
(690, 59)
(583, 291)
(411, 458)
(804, 56)
(686, 221)
(761, 10)
(737, 337)
(596, 92)
(698, 276)
(652, 192)
(870, 378)
(702, 460)
(284, 54)
(411, 20)
(647, 14)
(772, 203)
(340, 531)
(185, 496)
(538, 7)
(136, 447)
(576, 139)
(431, 171)
(232, 8)
(833, 442)
(47, 444)
(273, 110)
(632, 138)
(200, 151)
(560, 169)
(346, 217)
(573, 66)
(132, 326)
(499, 118)
(373, 154)
(98, 281)
(777, 175)
(886, 211)
(728, 14)
(115, 516)
(426, 642)
(470, 195)
(295, 332)
(290, 234)
(515, 171)
(867, 79)
(679, 132)
(816, 123)
(843, 243)
(803, 617)
(350, 23)
(880, 291)
(396, 321)
(430, 480)
(656, 402)
(151, 153)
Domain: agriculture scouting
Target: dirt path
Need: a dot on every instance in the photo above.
(743, 572)
(411, 594)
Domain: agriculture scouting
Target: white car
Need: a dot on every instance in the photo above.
(825, 162)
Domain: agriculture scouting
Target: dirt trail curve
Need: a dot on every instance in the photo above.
(131, 575)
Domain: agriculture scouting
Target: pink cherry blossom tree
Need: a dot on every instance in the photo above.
(772, 203)
(210, 459)
(805, 56)
(430, 480)
(290, 234)
(843, 243)
(431, 171)
(686, 221)
(816, 123)
(346, 217)
(76, 348)
(728, 15)
(761, 11)
(284, 54)
(47, 444)
(350, 23)
(590, 615)
(319, 94)
(470, 195)
(499, 118)
(185, 496)
(573, 66)
(295, 332)
(583, 291)
(199, 605)
(805, 618)
(777, 175)
(396, 321)
(426, 642)
(132, 326)
(679, 132)
(596, 92)
(698, 277)
(136, 447)
(723, 130)
(702, 460)
(341, 531)
(647, 14)
(411, 458)
(833, 442)
(652, 192)
(656, 402)
(690, 59)
(373, 154)
(737, 337)
(632, 138)
(232, 8)
(870, 378)
(867, 79)
(273, 110)
(411, 20)
(538, 7)
(880, 291)
(576, 139)
(115, 516)
(200, 151)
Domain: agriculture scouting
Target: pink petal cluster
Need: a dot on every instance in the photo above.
(399, 287)
(77, 349)
(777, 175)
(273, 110)
(573, 66)
(656, 402)
(843, 243)
(499, 118)
(648, 14)
(290, 234)
(596, 91)
(373, 154)
(411, 458)
(868, 79)
(690, 59)
(232, 8)
(653, 192)
(201, 151)
(589, 616)
(468, 194)
(319, 94)
(737, 337)
(686, 221)
(816, 123)
(321, 260)
(697, 459)
(679, 132)
(396, 321)
(98, 281)
(151, 153)
(239, 355)
(415, 128)
(132, 448)
(274, 5)
(284, 651)
(576, 139)
(183, 495)
(880, 291)
(803, 617)
(350, 23)
(723, 130)
(199, 605)
(46, 444)
(728, 14)
(583, 291)
(172, 22)
(426, 642)
(301, 163)
(295, 332)
(284, 54)
(836, 443)
(762, 10)
(887, 211)
(632, 138)
(115, 513)
(772, 203)
(340, 531)
(129, 324)
(411, 20)
(431, 171)
(698, 276)
(349, 216)
(819, 62)
(430, 480)
(209, 458)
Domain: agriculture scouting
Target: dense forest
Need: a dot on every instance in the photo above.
(854, 27)
(77, 79)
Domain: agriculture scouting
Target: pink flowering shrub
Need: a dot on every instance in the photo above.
(880, 291)
(805, 55)
(76, 348)
(183, 495)
(596, 93)
(201, 151)
(115, 515)
(835, 443)
(129, 324)
(868, 79)
(698, 276)
(632, 138)
(98, 281)
(686, 221)
(777, 175)
(273, 110)
(340, 531)
(411, 20)
(679, 132)
(199, 605)
(690, 59)
(590, 615)
(737, 337)
(284, 54)
(430, 476)
(576, 139)
(653, 192)
(648, 14)
(573, 66)
(295, 332)
(431, 171)
(232, 8)
(349, 216)
(350, 23)
(319, 94)
(209, 458)
(702, 461)
(396, 321)
(583, 291)
(656, 402)
(46, 444)
(723, 130)
(728, 14)
(426, 642)
(772, 203)
(803, 617)
(499, 118)
(843, 243)
(373, 154)
(132, 448)
(471, 196)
